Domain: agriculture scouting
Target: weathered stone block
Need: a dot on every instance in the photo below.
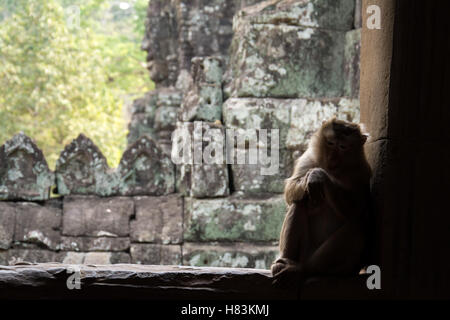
(202, 102)
(324, 14)
(232, 219)
(351, 65)
(238, 255)
(106, 258)
(146, 104)
(94, 244)
(140, 124)
(13, 256)
(271, 163)
(158, 220)
(183, 179)
(207, 70)
(253, 113)
(145, 170)
(209, 181)
(169, 97)
(307, 116)
(93, 216)
(155, 254)
(252, 180)
(93, 258)
(7, 223)
(154, 112)
(73, 257)
(40, 224)
(203, 99)
(166, 118)
(24, 173)
(198, 150)
(143, 117)
(4, 257)
(177, 31)
(289, 50)
(82, 169)
(358, 14)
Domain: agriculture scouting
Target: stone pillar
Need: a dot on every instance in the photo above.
(404, 80)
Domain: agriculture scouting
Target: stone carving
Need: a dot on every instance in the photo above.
(82, 169)
(178, 30)
(143, 117)
(203, 100)
(145, 170)
(155, 115)
(24, 173)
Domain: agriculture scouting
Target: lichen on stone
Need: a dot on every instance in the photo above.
(24, 172)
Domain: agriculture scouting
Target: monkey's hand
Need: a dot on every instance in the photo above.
(295, 189)
(315, 186)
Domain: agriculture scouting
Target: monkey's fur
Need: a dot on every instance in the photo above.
(327, 196)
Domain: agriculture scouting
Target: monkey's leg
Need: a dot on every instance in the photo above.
(293, 245)
(339, 254)
(294, 232)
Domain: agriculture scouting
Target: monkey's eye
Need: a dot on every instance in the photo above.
(342, 147)
(330, 143)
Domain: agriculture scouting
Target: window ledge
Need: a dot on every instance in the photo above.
(132, 281)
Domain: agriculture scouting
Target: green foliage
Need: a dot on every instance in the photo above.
(61, 75)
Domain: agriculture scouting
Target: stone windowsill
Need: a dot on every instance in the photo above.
(131, 281)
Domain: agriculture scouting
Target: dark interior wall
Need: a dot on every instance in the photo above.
(404, 82)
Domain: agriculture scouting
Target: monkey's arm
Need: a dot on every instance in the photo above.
(346, 202)
(295, 186)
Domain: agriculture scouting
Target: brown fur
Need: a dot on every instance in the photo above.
(323, 230)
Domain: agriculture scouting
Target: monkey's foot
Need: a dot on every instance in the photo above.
(290, 277)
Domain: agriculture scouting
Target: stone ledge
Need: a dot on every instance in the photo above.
(130, 281)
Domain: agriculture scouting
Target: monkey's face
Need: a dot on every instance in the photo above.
(341, 142)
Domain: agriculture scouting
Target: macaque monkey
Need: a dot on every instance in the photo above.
(323, 232)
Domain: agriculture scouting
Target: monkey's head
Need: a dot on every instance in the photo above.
(339, 144)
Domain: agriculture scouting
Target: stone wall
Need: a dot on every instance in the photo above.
(86, 212)
(223, 64)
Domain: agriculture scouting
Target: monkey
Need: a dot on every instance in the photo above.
(327, 195)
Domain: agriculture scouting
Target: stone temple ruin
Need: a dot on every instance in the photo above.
(229, 64)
